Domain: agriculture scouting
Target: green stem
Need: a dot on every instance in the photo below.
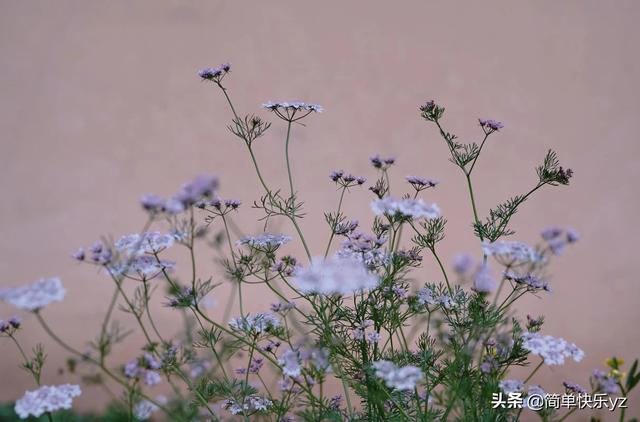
(333, 229)
(286, 153)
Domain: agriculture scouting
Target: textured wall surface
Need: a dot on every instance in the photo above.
(100, 102)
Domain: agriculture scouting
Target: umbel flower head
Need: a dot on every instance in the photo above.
(265, 242)
(407, 208)
(191, 193)
(46, 399)
(511, 250)
(336, 275)
(553, 350)
(292, 111)
(255, 323)
(215, 74)
(35, 295)
(400, 378)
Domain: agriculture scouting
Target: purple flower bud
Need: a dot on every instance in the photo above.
(151, 202)
(15, 321)
(78, 255)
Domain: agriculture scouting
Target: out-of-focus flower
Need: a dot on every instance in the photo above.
(335, 276)
(408, 208)
(400, 378)
(35, 295)
(511, 250)
(255, 323)
(46, 399)
(462, 263)
(511, 386)
(483, 281)
(553, 350)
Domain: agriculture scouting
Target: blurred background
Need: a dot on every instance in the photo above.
(100, 102)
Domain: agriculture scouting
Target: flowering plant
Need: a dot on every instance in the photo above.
(349, 320)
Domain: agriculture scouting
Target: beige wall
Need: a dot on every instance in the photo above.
(100, 103)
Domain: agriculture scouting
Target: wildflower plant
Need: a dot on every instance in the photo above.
(352, 334)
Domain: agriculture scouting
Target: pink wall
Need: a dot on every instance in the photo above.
(100, 102)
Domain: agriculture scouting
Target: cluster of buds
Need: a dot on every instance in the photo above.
(431, 111)
(285, 265)
(381, 163)
(421, 183)
(9, 327)
(346, 180)
(219, 206)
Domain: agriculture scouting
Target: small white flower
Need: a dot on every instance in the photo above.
(335, 276)
(149, 242)
(511, 386)
(553, 350)
(400, 378)
(290, 361)
(414, 208)
(483, 281)
(144, 409)
(512, 250)
(35, 295)
(266, 241)
(46, 399)
(256, 323)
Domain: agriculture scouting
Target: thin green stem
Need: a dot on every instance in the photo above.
(286, 153)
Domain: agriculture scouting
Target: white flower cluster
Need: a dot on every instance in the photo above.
(291, 364)
(143, 265)
(553, 350)
(511, 386)
(256, 323)
(292, 106)
(414, 208)
(35, 295)
(400, 378)
(252, 403)
(149, 242)
(265, 241)
(428, 296)
(144, 409)
(511, 250)
(335, 276)
(48, 398)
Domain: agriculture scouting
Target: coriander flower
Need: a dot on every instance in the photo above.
(144, 409)
(421, 183)
(46, 399)
(286, 106)
(148, 242)
(511, 386)
(462, 263)
(529, 280)
(251, 404)
(491, 125)
(336, 275)
(400, 378)
(290, 361)
(214, 74)
(553, 350)
(511, 250)
(35, 295)
(265, 241)
(408, 208)
(255, 323)
(483, 281)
